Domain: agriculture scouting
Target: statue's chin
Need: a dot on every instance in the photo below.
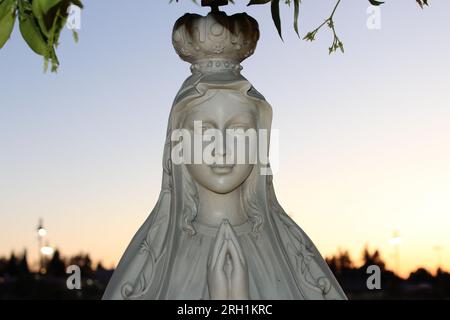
(221, 187)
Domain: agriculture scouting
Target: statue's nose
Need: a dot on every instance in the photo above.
(221, 149)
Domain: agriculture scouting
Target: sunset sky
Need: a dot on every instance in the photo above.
(364, 136)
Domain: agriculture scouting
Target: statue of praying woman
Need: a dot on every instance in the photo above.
(217, 230)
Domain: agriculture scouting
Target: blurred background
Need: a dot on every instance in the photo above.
(363, 150)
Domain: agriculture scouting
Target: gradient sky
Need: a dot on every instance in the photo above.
(364, 136)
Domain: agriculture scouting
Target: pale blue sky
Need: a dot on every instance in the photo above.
(364, 136)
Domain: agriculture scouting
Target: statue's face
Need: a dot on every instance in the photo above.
(218, 124)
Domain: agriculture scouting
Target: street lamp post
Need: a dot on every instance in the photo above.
(41, 233)
(395, 242)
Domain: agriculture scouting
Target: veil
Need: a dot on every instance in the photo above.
(145, 269)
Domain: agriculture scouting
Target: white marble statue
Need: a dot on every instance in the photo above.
(217, 230)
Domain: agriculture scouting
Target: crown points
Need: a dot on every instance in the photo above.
(215, 37)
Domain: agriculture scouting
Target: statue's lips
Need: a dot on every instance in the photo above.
(222, 168)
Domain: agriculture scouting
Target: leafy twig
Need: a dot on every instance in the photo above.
(337, 43)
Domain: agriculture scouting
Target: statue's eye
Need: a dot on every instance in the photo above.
(239, 128)
(200, 129)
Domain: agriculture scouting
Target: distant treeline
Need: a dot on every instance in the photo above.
(420, 284)
(17, 281)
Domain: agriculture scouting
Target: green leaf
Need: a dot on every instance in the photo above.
(77, 3)
(75, 36)
(375, 3)
(46, 5)
(296, 13)
(310, 36)
(59, 21)
(252, 2)
(275, 9)
(7, 20)
(38, 13)
(45, 12)
(5, 7)
(29, 28)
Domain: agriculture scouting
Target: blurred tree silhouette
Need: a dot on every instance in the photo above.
(340, 263)
(12, 267)
(22, 266)
(84, 262)
(56, 266)
(421, 275)
(372, 259)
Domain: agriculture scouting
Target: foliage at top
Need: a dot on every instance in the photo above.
(41, 22)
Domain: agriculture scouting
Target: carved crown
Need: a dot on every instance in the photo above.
(217, 36)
